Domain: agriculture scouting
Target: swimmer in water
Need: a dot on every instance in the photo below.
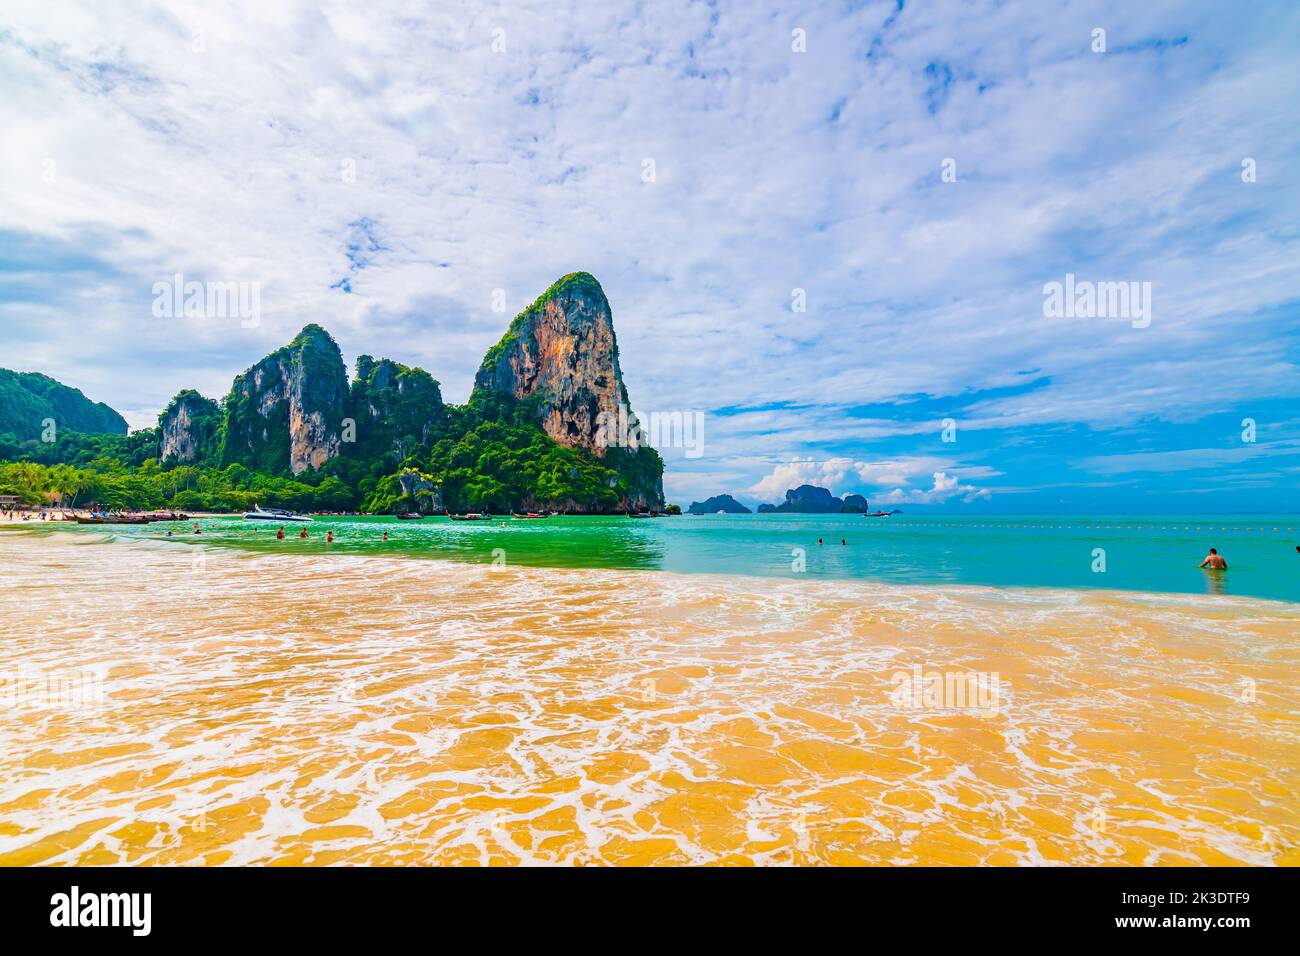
(279, 535)
(842, 541)
(196, 528)
(1214, 561)
(819, 540)
(302, 533)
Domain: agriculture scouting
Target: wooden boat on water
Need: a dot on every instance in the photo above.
(472, 516)
(113, 519)
(409, 516)
(531, 514)
(166, 516)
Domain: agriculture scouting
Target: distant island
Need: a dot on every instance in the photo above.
(718, 503)
(295, 432)
(810, 499)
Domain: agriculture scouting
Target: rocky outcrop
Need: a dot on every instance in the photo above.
(810, 499)
(395, 407)
(560, 354)
(420, 489)
(189, 428)
(723, 503)
(562, 350)
(286, 412)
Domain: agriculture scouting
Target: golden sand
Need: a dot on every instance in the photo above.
(291, 709)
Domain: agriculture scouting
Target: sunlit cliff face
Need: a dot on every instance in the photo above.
(567, 352)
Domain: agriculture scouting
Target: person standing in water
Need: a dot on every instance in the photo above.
(329, 537)
(385, 535)
(302, 533)
(1214, 561)
(196, 528)
(279, 535)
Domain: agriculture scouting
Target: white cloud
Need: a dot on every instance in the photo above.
(945, 487)
(775, 170)
(845, 475)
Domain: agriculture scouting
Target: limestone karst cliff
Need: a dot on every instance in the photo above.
(286, 412)
(395, 407)
(561, 353)
(189, 428)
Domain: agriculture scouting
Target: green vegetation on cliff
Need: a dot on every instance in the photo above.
(27, 399)
(488, 455)
(395, 409)
(494, 457)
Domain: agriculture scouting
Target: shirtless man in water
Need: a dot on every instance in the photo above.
(1214, 561)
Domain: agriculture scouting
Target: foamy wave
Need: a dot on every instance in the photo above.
(262, 709)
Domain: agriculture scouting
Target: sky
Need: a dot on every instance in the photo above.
(827, 229)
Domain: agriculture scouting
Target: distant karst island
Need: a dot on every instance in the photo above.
(810, 499)
(806, 499)
(718, 504)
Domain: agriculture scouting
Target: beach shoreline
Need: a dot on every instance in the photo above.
(442, 712)
(473, 545)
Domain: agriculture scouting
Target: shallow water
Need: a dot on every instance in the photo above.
(1132, 553)
(313, 708)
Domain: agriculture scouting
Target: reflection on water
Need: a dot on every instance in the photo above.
(341, 708)
(1216, 580)
(536, 543)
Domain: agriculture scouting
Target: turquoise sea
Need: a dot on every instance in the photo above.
(1140, 552)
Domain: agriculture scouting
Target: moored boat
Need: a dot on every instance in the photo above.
(112, 519)
(471, 516)
(273, 514)
(409, 516)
